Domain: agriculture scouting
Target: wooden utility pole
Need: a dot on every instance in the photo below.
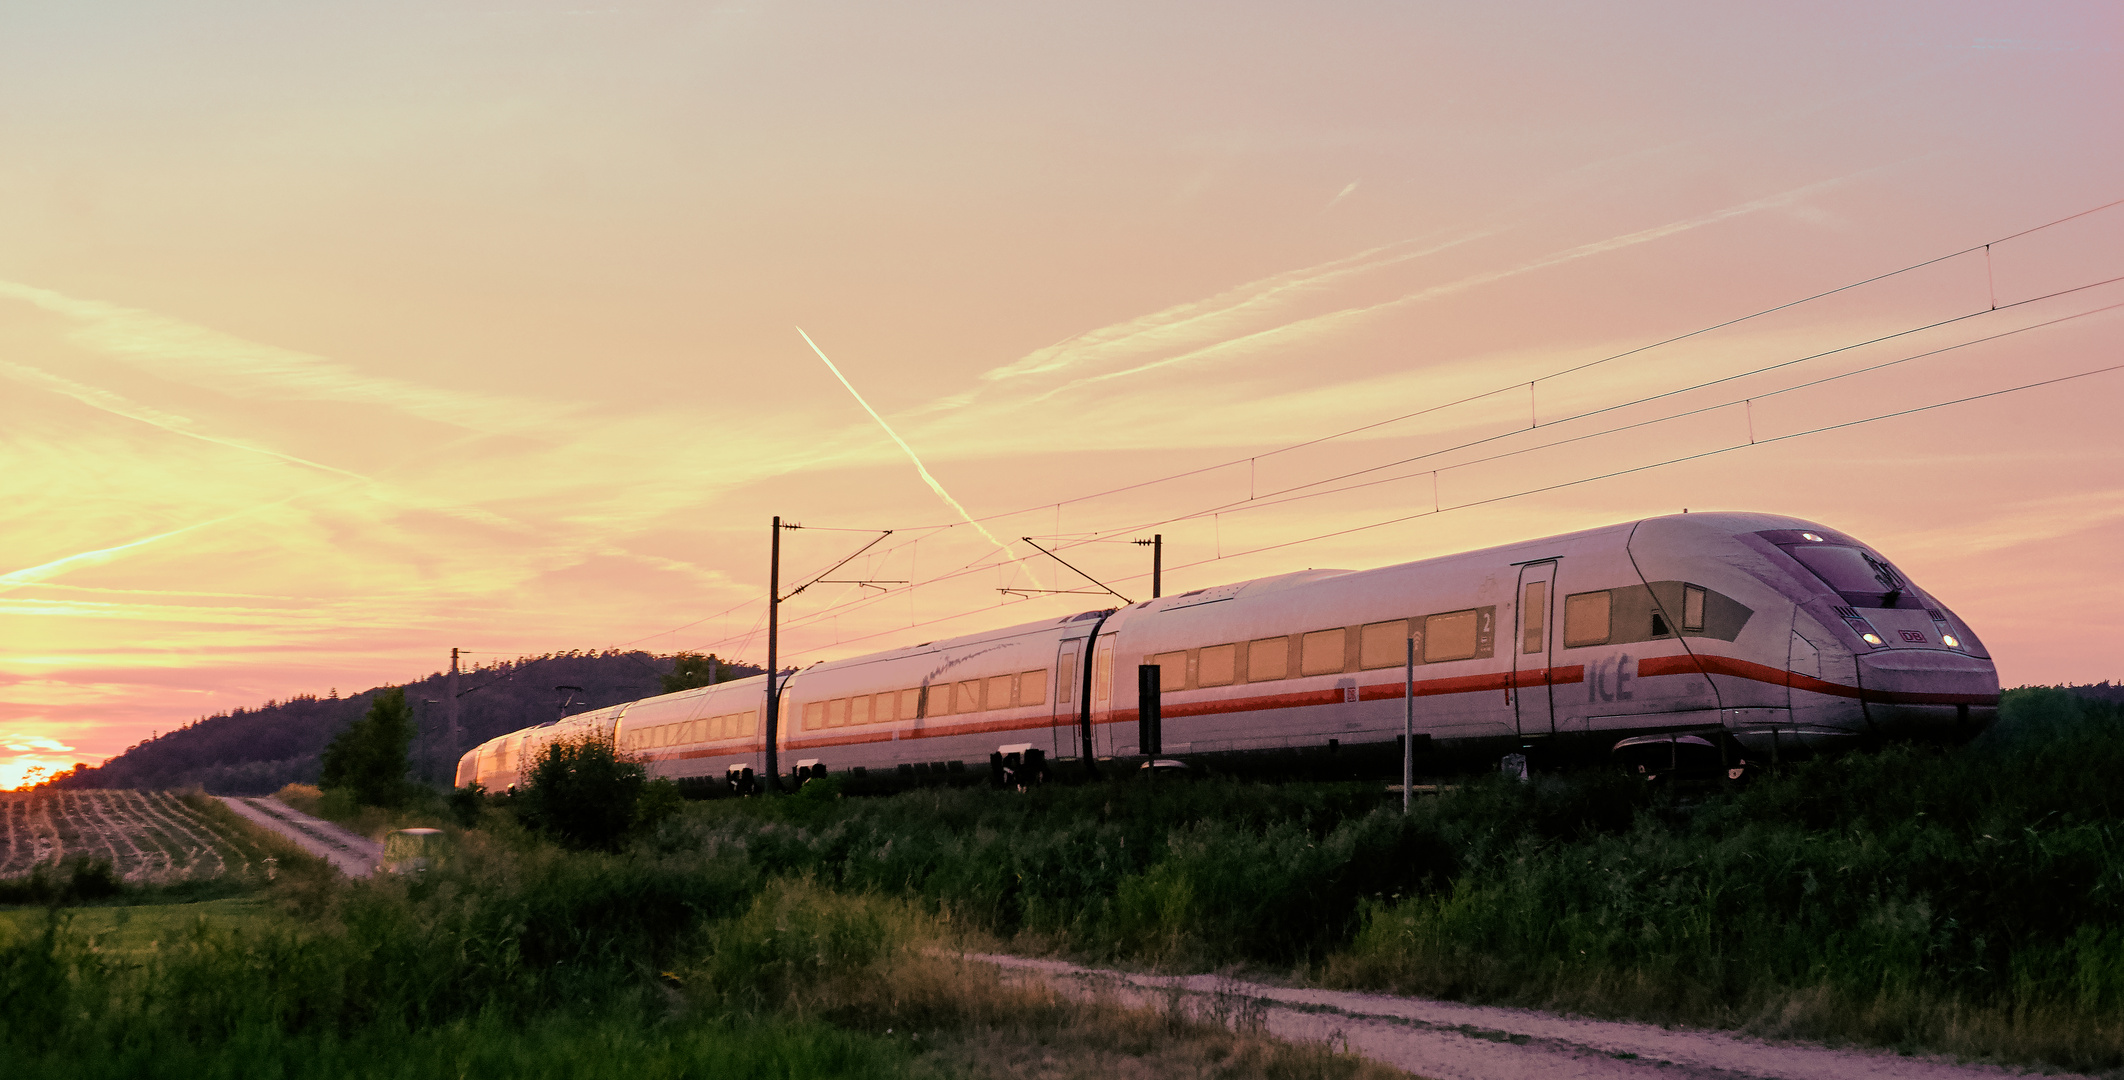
(1157, 545)
(1157, 565)
(774, 603)
(1408, 729)
(450, 711)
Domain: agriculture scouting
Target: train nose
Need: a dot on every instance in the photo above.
(1928, 694)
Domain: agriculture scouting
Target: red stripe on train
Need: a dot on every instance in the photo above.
(1712, 664)
(1650, 667)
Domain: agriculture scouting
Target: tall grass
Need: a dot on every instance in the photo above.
(524, 960)
(1969, 899)
(500, 958)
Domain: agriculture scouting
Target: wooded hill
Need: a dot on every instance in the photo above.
(256, 751)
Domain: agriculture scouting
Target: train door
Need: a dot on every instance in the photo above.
(1067, 696)
(1102, 696)
(1533, 695)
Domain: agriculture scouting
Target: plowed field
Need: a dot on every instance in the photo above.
(147, 836)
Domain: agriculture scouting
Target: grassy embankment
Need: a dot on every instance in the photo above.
(1969, 900)
(521, 959)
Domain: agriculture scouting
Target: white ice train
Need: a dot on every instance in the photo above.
(1736, 638)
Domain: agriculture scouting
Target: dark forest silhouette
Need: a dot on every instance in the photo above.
(256, 751)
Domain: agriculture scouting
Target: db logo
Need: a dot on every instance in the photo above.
(1914, 635)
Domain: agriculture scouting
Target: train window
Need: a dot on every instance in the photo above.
(910, 704)
(1534, 617)
(1321, 652)
(1586, 619)
(1692, 607)
(837, 713)
(1103, 673)
(1853, 572)
(814, 715)
(1383, 644)
(859, 711)
(966, 696)
(1032, 687)
(1450, 636)
(1268, 658)
(1218, 666)
(1172, 671)
(1066, 677)
(999, 691)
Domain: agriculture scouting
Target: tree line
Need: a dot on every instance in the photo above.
(256, 751)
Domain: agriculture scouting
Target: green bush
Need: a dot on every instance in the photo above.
(78, 880)
(467, 803)
(582, 792)
(368, 759)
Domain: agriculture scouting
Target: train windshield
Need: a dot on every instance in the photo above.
(1860, 577)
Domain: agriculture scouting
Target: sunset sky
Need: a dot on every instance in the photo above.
(335, 336)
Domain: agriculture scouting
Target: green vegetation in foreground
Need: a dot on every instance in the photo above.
(131, 927)
(521, 958)
(1968, 900)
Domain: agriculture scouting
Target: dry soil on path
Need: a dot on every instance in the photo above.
(354, 855)
(1448, 1040)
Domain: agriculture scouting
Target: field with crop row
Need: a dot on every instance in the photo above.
(146, 836)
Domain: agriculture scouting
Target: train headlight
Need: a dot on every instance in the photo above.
(1811, 536)
(1952, 641)
(1871, 639)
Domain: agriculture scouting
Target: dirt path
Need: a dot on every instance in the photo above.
(355, 856)
(1448, 1040)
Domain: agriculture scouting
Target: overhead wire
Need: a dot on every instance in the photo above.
(1513, 388)
(975, 565)
(982, 562)
(1558, 486)
(1570, 370)
(979, 563)
(1263, 501)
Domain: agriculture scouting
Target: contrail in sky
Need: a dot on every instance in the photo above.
(97, 398)
(1597, 247)
(31, 575)
(919, 467)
